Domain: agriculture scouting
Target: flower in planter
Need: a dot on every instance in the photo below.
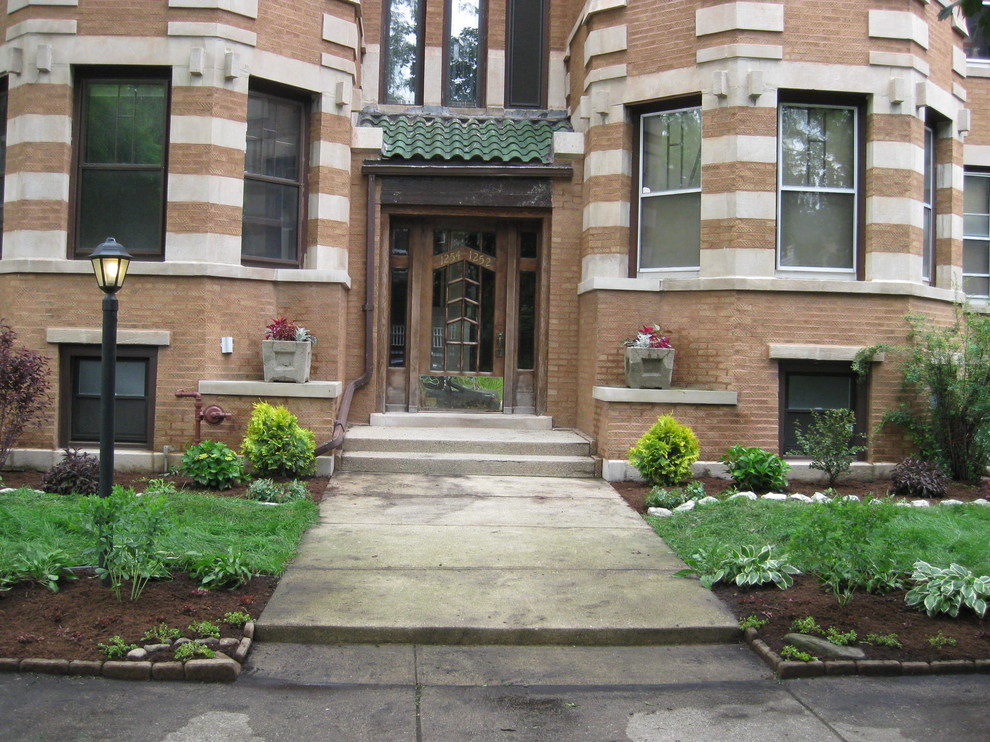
(281, 328)
(649, 337)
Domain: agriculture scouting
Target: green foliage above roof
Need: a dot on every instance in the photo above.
(485, 139)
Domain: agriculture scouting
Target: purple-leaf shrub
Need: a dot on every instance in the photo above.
(24, 390)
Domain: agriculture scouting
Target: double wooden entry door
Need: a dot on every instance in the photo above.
(463, 315)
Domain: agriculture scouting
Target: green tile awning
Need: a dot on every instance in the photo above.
(467, 139)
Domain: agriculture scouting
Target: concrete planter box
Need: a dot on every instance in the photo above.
(287, 360)
(649, 368)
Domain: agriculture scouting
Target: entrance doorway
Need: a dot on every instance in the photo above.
(463, 313)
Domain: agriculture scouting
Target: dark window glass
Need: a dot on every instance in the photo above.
(525, 54)
(121, 181)
(273, 172)
(807, 390)
(133, 399)
(402, 50)
(527, 319)
(397, 335)
(463, 51)
(976, 45)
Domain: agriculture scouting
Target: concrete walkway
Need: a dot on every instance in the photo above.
(486, 560)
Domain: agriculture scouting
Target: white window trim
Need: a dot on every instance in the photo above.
(781, 188)
(640, 197)
(984, 238)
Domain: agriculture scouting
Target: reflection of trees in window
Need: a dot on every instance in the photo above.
(463, 48)
(121, 184)
(403, 62)
(818, 186)
(670, 189)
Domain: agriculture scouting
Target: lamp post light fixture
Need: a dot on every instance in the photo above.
(110, 262)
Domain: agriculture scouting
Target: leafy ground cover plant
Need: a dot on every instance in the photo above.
(237, 619)
(828, 442)
(25, 384)
(46, 568)
(807, 625)
(752, 622)
(76, 474)
(666, 453)
(756, 470)
(223, 571)
(940, 640)
(268, 490)
(205, 629)
(194, 651)
(126, 530)
(914, 477)
(841, 638)
(276, 444)
(792, 653)
(212, 464)
(116, 648)
(883, 640)
(947, 590)
(162, 634)
(745, 566)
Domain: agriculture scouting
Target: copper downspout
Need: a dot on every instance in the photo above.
(340, 424)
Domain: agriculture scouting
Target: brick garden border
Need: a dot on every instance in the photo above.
(223, 668)
(790, 669)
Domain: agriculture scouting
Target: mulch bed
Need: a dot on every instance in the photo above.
(70, 623)
(865, 613)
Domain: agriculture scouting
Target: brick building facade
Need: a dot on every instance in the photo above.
(523, 183)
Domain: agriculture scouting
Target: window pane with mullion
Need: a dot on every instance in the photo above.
(403, 51)
(976, 233)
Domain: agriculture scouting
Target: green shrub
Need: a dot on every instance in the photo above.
(276, 444)
(25, 389)
(76, 474)
(914, 477)
(659, 497)
(212, 464)
(756, 470)
(665, 454)
(947, 590)
(828, 442)
(125, 532)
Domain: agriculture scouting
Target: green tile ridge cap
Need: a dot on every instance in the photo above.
(467, 138)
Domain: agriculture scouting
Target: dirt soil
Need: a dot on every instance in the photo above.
(865, 613)
(69, 624)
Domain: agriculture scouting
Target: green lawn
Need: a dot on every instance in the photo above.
(266, 536)
(939, 534)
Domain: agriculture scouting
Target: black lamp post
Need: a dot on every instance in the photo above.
(110, 261)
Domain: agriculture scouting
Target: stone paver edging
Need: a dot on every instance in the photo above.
(790, 669)
(224, 668)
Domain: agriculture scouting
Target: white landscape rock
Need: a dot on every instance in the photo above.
(659, 512)
(709, 501)
(851, 498)
(984, 503)
(798, 497)
(820, 497)
(921, 503)
(774, 497)
(744, 496)
(689, 505)
(951, 502)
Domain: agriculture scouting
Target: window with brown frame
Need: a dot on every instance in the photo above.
(402, 52)
(807, 387)
(121, 161)
(274, 170)
(464, 53)
(134, 413)
(526, 54)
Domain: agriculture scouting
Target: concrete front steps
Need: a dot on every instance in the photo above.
(454, 444)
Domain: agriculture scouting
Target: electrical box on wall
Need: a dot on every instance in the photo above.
(226, 345)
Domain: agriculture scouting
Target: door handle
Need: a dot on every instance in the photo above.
(499, 344)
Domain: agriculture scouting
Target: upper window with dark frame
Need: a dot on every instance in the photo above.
(977, 45)
(526, 54)
(273, 179)
(402, 52)
(135, 394)
(669, 213)
(464, 53)
(817, 195)
(807, 387)
(122, 158)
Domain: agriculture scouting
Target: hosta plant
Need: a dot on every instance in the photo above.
(746, 566)
(947, 590)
